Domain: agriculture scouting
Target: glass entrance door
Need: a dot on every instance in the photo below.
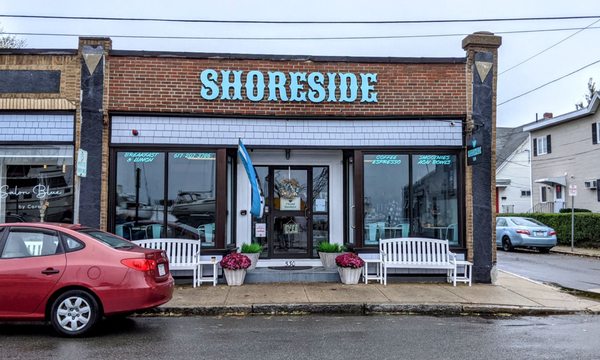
(297, 210)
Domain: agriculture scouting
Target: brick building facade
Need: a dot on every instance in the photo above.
(347, 150)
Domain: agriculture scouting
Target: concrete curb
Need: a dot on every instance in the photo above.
(361, 309)
(567, 252)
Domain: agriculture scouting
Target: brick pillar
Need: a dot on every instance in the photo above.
(482, 64)
(92, 129)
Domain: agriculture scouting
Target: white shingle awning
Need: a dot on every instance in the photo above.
(551, 181)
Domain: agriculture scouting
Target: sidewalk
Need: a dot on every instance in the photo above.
(511, 295)
(576, 251)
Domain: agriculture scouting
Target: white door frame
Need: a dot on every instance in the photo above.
(331, 158)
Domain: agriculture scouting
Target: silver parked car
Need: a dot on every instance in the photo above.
(513, 232)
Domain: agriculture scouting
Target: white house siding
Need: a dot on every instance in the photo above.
(517, 168)
(572, 154)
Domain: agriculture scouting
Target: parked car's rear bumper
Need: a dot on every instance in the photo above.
(137, 296)
(525, 240)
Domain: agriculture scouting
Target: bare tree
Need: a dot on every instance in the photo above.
(10, 41)
(588, 97)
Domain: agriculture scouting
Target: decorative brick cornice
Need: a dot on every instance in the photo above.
(36, 104)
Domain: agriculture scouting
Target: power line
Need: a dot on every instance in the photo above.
(548, 48)
(302, 38)
(549, 82)
(331, 22)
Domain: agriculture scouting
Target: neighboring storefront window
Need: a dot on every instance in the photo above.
(435, 200)
(416, 200)
(36, 183)
(186, 209)
(385, 197)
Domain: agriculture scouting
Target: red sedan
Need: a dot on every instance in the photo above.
(72, 275)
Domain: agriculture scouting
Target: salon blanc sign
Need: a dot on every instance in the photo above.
(314, 87)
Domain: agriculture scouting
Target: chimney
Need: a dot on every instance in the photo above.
(547, 115)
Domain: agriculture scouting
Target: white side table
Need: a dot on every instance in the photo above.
(466, 274)
(377, 276)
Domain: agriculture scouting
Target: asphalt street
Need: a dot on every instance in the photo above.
(574, 272)
(315, 337)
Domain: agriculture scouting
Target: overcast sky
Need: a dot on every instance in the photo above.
(574, 53)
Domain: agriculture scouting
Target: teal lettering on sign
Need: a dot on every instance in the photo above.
(387, 160)
(315, 87)
(140, 157)
(194, 156)
(435, 160)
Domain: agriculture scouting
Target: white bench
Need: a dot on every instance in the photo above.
(184, 254)
(417, 253)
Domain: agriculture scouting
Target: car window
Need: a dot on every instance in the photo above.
(29, 243)
(501, 222)
(72, 244)
(526, 222)
(111, 240)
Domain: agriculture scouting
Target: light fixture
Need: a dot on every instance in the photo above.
(287, 154)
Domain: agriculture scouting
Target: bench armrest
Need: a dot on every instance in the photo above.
(452, 257)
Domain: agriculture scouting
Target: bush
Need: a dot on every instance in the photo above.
(565, 210)
(326, 247)
(587, 227)
(251, 248)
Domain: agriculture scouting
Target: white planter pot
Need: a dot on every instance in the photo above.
(328, 259)
(253, 259)
(235, 277)
(349, 276)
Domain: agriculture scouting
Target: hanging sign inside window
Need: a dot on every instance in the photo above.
(320, 205)
(140, 157)
(289, 204)
(291, 228)
(260, 230)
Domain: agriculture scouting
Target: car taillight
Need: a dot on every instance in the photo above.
(140, 264)
(552, 232)
(521, 231)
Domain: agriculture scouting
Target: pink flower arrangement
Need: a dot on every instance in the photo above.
(235, 261)
(349, 260)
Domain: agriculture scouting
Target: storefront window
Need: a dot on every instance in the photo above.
(187, 210)
(191, 195)
(434, 201)
(36, 184)
(386, 194)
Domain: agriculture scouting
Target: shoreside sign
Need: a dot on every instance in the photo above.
(315, 87)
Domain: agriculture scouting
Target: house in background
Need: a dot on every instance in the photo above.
(566, 151)
(513, 170)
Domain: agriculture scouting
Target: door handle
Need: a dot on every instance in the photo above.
(50, 271)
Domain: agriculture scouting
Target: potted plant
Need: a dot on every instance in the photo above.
(234, 266)
(350, 267)
(328, 253)
(252, 251)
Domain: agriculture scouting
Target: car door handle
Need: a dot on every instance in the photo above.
(50, 271)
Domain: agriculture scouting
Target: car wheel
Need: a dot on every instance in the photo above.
(544, 250)
(506, 244)
(74, 313)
